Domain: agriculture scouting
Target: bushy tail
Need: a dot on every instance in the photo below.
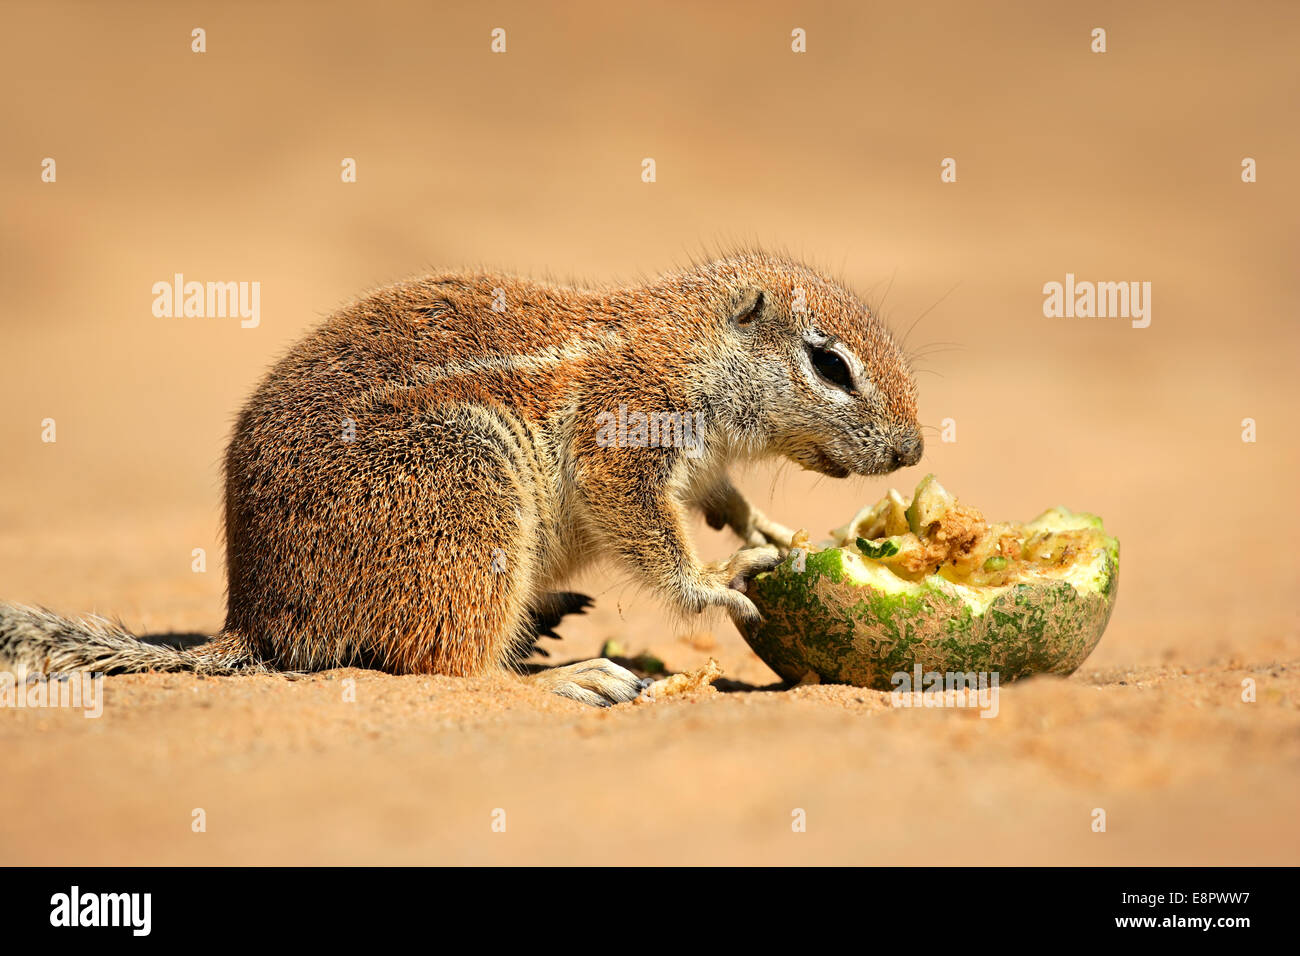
(40, 641)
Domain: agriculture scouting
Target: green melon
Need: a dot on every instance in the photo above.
(1012, 599)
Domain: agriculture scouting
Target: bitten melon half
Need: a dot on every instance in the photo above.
(929, 582)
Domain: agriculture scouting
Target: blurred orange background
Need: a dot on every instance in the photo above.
(1122, 166)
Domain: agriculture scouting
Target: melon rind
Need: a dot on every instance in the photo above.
(850, 620)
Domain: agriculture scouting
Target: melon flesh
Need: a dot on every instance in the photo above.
(928, 581)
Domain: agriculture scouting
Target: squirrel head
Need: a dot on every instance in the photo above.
(819, 379)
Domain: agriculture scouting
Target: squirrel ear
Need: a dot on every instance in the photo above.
(749, 310)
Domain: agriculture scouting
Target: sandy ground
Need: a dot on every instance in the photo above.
(225, 165)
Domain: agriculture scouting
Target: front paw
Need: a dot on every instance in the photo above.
(772, 532)
(740, 609)
(751, 527)
(736, 572)
(730, 578)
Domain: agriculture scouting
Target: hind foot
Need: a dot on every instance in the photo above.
(597, 682)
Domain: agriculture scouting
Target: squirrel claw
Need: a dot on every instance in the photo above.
(746, 563)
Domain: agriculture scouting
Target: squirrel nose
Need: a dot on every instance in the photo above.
(908, 451)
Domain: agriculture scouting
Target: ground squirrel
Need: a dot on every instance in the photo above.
(409, 485)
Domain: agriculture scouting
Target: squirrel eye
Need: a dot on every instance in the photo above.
(832, 368)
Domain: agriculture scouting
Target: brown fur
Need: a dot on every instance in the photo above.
(474, 482)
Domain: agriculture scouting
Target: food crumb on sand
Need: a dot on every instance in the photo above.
(679, 685)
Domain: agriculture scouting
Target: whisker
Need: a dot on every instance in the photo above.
(918, 319)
